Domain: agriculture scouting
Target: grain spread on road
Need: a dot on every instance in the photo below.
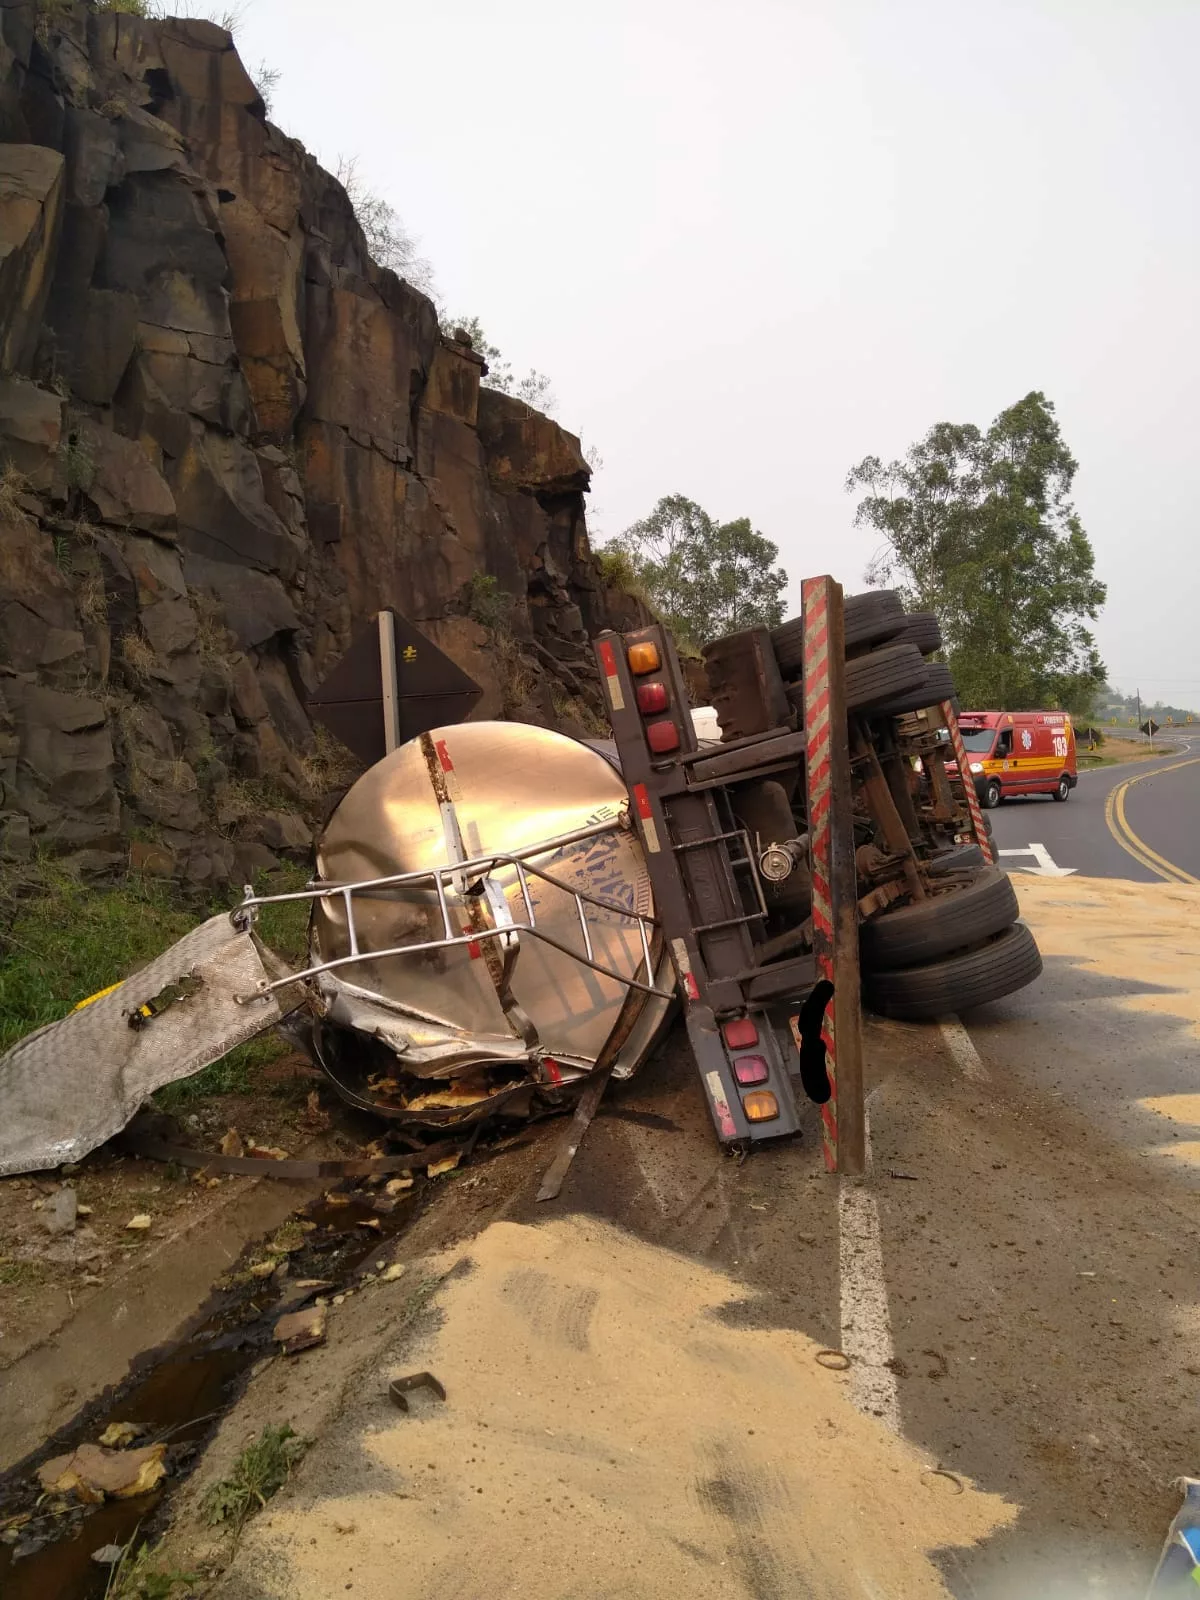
(613, 1427)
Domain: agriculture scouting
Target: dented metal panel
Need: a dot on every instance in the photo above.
(75, 1083)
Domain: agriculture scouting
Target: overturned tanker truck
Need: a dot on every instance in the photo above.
(502, 915)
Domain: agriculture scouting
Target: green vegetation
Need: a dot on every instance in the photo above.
(140, 1576)
(979, 527)
(19, 1274)
(487, 603)
(533, 388)
(261, 1470)
(388, 241)
(1128, 710)
(704, 578)
(62, 940)
(617, 569)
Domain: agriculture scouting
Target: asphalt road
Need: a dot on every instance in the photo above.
(1139, 820)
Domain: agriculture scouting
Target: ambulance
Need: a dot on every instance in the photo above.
(1019, 752)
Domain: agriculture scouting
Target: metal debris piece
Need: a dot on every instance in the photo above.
(943, 1472)
(835, 1360)
(585, 1110)
(301, 1330)
(75, 1083)
(400, 1388)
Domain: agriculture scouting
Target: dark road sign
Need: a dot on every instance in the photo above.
(391, 685)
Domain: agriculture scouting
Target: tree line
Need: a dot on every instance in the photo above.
(975, 524)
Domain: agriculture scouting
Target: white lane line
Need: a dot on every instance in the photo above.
(866, 1323)
(966, 1058)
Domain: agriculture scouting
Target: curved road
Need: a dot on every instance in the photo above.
(1139, 820)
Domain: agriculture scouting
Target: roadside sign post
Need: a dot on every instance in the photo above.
(391, 685)
(834, 885)
(964, 772)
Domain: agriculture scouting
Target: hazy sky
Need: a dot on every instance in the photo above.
(752, 242)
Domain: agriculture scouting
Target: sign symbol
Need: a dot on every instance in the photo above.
(1045, 865)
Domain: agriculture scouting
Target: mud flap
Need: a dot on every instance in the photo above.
(71, 1085)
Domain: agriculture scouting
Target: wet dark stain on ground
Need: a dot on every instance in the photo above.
(178, 1396)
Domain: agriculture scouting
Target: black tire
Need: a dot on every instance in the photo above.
(923, 629)
(1063, 792)
(959, 983)
(937, 685)
(961, 858)
(992, 794)
(869, 619)
(914, 935)
(881, 675)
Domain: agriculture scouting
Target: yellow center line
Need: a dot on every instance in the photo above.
(1122, 832)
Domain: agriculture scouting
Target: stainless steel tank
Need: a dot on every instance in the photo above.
(485, 921)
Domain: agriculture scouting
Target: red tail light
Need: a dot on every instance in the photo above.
(750, 1070)
(740, 1034)
(651, 697)
(662, 737)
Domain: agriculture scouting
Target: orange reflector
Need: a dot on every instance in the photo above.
(643, 658)
(760, 1106)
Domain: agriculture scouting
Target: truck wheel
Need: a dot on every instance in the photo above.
(960, 858)
(992, 794)
(938, 685)
(923, 629)
(869, 619)
(886, 674)
(1063, 792)
(971, 978)
(925, 931)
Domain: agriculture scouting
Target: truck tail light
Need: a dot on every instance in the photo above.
(760, 1105)
(740, 1034)
(750, 1070)
(651, 697)
(643, 658)
(662, 737)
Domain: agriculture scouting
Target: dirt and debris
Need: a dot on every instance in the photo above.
(92, 1473)
(301, 1330)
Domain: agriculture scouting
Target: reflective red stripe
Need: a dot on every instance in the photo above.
(641, 800)
(443, 756)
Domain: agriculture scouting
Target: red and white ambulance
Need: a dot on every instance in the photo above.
(1019, 752)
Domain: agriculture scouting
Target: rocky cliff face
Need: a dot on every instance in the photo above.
(227, 438)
